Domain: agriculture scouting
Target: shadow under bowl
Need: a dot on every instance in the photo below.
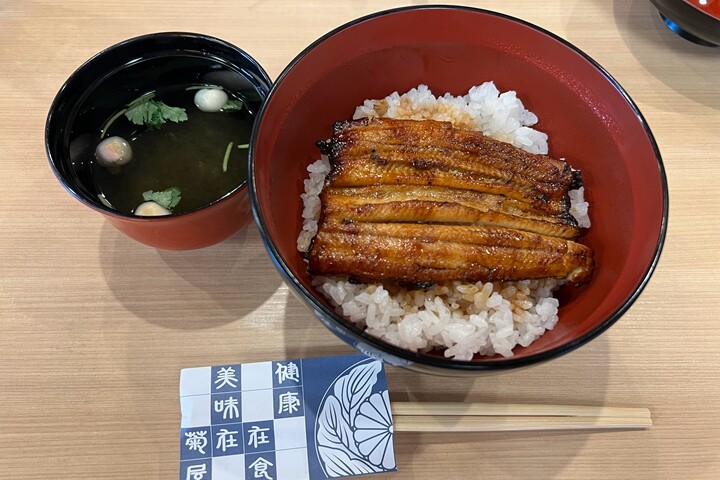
(119, 75)
(589, 118)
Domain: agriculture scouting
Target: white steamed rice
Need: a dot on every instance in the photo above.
(464, 319)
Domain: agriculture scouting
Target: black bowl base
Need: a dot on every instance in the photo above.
(685, 34)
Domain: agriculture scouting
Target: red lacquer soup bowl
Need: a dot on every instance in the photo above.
(117, 76)
(590, 121)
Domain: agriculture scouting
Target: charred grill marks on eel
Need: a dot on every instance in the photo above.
(421, 202)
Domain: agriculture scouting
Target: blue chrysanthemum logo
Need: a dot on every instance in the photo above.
(353, 428)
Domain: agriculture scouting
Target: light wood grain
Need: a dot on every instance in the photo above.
(94, 328)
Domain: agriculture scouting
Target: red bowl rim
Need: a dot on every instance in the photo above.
(421, 358)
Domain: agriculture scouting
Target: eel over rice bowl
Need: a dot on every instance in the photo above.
(477, 321)
(448, 193)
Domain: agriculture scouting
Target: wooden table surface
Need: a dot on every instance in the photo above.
(94, 327)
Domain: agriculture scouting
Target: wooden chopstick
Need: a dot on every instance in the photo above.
(512, 424)
(493, 409)
(488, 417)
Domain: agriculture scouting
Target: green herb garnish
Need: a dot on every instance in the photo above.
(167, 198)
(154, 113)
(227, 156)
(244, 146)
(231, 105)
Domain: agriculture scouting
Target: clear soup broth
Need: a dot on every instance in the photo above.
(188, 155)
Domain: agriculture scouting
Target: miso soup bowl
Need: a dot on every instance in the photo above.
(589, 118)
(120, 74)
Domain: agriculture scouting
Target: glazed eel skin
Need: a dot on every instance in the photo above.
(422, 202)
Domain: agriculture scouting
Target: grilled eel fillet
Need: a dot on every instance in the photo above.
(423, 202)
(426, 253)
